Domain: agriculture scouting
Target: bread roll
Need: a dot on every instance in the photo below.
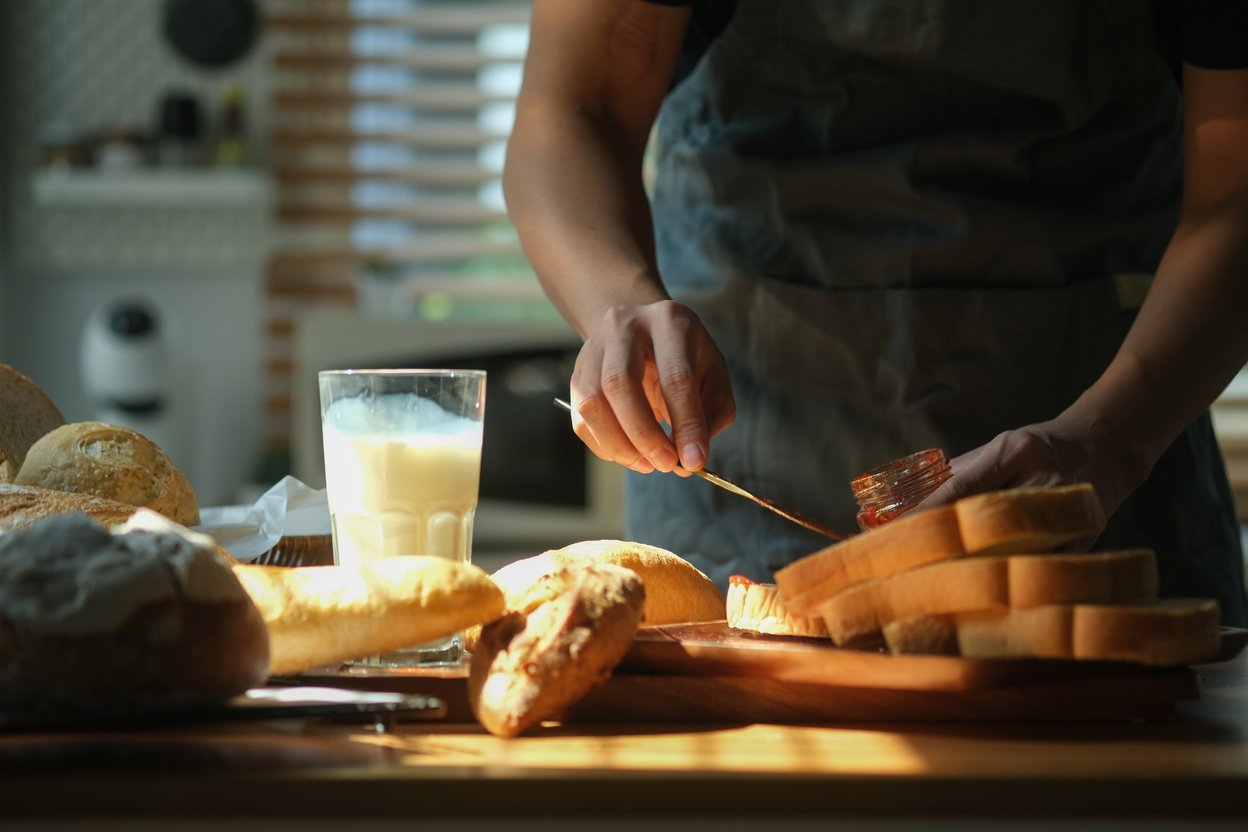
(981, 583)
(115, 621)
(530, 667)
(318, 615)
(24, 505)
(758, 608)
(26, 413)
(676, 591)
(1167, 633)
(112, 462)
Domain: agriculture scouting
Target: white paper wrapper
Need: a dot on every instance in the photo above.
(287, 509)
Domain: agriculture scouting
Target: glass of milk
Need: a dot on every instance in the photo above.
(402, 469)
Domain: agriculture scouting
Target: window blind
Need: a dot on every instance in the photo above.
(388, 125)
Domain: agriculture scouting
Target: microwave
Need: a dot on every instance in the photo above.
(540, 486)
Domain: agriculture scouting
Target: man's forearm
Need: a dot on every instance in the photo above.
(1188, 341)
(575, 194)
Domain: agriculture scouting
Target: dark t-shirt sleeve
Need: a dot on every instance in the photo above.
(1214, 33)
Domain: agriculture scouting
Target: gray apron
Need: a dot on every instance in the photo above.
(907, 225)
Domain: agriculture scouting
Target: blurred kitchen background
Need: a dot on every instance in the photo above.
(206, 201)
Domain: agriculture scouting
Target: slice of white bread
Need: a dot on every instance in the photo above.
(911, 541)
(758, 608)
(982, 583)
(26, 414)
(1168, 633)
(999, 522)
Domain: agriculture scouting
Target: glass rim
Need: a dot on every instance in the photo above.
(399, 372)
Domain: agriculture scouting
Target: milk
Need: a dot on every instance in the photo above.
(402, 477)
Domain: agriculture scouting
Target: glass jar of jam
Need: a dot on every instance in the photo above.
(887, 492)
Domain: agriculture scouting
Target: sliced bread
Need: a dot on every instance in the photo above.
(982, 583)
(1167, 633)
(999, 522)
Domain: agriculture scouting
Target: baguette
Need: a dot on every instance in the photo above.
(676, 591)
(979, 583)
(528, 667)
(318, 615)
(26, 414)
(1000, 522)
(1167, 633)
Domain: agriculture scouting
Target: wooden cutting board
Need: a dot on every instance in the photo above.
(714, 649)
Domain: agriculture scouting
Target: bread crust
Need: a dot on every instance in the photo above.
(113, 622)
(112, 462)
(24, 505)
(28, 414)
(676, 591)
(980, 583)
(319, 615)
(530, 667)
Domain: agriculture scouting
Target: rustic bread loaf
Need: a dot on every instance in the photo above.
(981, 583)
(529, 667)
(112, 462)
(26, 413)
(93, 620)
(1000, 522)
(676, 591)
(758, 608)
(23, 505)
(1167, 633)
(318, 615)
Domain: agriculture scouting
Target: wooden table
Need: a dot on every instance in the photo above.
(1195, 765)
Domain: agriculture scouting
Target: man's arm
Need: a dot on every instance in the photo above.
(1188, 341)
(595, 76)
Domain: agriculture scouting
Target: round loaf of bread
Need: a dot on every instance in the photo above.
(26, 414)
(676, 591)
(95, 620)
(112, 462)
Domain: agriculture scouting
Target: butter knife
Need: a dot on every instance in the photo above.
(792, 516)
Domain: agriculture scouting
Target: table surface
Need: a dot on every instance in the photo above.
(1195, 764)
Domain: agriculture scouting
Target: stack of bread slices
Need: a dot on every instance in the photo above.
(980, 579)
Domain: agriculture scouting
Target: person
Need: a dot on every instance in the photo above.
(1006, 230)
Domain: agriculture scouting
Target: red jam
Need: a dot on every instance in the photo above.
(739, 580)
(887, 492)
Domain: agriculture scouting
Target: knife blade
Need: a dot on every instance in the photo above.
(788, 514)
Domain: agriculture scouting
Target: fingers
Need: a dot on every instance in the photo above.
(646, 365)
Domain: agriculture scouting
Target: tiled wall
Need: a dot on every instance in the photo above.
(100, 63)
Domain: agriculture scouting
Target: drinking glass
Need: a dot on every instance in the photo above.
(402, 472)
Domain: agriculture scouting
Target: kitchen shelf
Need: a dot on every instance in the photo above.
(156, 187)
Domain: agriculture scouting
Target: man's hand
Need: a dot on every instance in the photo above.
(644, 365)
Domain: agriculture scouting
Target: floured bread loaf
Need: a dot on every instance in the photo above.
(26, 414)
(1000, 522)
(318, 615)
(758, 608)
(676, 591)
(981, 583)
(1168, 633)
(92, 619)
(112, 462)
(530, 666)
